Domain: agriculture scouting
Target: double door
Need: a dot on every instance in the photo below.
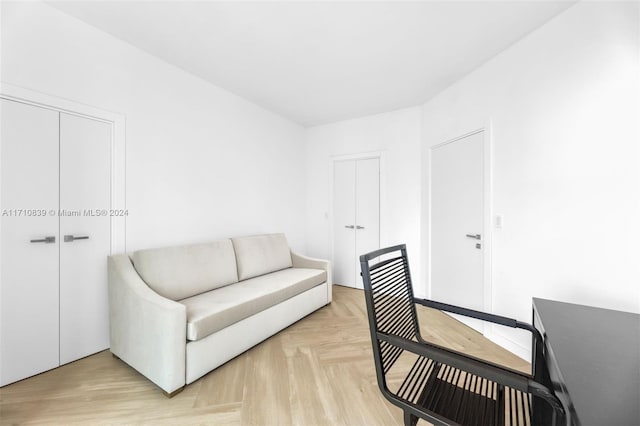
(356, 216)
(55, 237)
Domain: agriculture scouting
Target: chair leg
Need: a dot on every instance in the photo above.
(410, 419)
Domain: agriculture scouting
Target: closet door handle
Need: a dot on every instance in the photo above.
(359, 227)
(46, 240)
(349, 226)
(71, 238)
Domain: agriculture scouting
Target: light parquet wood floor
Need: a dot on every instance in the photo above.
(318, 371)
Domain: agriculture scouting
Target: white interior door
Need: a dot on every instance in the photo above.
(85, 234)
(367, 210)
(344, 216)
(457, 224)
(29, 308)
(356, 216)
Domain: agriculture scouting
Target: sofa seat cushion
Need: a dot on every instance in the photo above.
(212, 311)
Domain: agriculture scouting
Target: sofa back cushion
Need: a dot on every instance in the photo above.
(261, 254)
(184, 271)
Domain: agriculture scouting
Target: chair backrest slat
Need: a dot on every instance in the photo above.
(390, 303)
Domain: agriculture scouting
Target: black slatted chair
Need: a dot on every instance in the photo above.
(440, 385)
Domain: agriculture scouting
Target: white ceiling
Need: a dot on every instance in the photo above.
(322, 61)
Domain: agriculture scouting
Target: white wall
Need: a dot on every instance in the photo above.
(201, 163)
(564, 108)
(395, 134)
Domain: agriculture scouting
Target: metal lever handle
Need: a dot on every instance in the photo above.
(359, 227)
(349, 226)
(70, 238)
(46, 240)
(475, 236)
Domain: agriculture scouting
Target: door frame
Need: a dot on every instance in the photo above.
(487, 214)
(380, 155)
(118, 146)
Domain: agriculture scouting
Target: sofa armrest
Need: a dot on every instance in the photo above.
(300, 261)
(147, 331)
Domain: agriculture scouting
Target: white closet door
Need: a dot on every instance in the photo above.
(29, 270)
(344, 215)
(356, 217)
(85, 187)
(367, 210)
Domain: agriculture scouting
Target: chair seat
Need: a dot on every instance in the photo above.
(462, 397)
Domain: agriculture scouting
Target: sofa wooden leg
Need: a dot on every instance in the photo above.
(174, 393)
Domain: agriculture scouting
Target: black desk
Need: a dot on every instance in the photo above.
(593, 361)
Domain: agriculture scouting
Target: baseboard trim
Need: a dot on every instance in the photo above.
(510, 345)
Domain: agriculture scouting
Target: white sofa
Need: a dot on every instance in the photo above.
(177, 313)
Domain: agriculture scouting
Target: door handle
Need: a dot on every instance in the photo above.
(475, 236)
(349, 226)
(359, 227)
(46, 240)
(71, 238)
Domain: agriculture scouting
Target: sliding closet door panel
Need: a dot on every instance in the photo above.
(29, 270)
(344, 208)
(367, 209)
(85, 165)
